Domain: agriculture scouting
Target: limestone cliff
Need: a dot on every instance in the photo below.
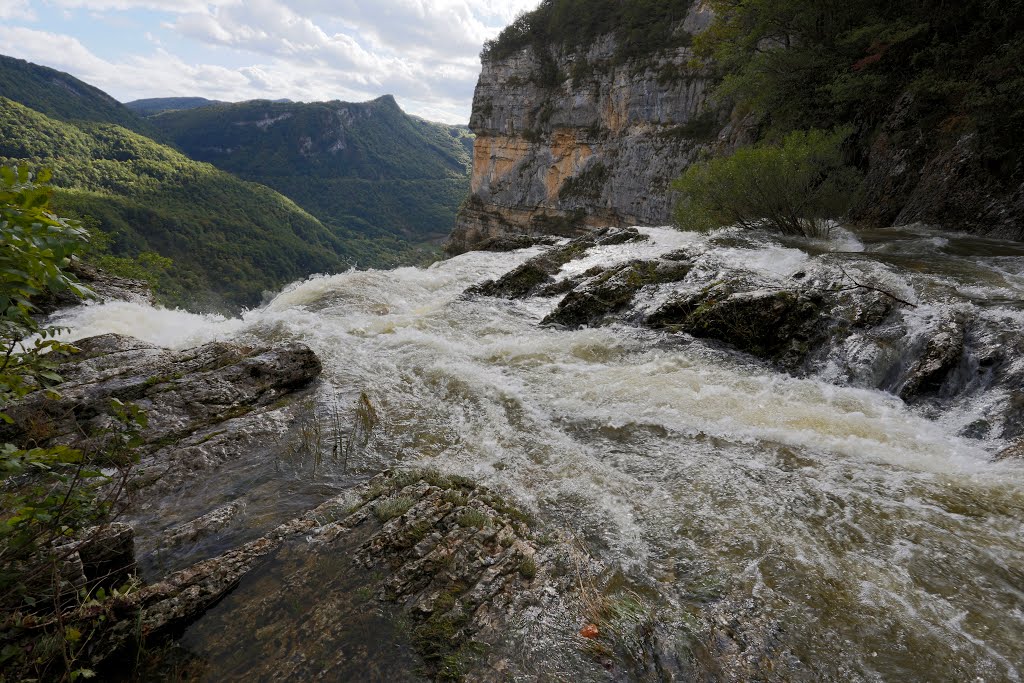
(571, 138)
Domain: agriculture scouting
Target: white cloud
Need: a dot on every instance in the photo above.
(16, 9)
(425, 52)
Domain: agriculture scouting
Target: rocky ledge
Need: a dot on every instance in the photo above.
(473, 587)
(201, 405)
(451, 581)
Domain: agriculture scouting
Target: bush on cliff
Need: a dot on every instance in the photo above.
(798, 187)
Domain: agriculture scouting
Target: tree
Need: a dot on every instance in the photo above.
(796, 188)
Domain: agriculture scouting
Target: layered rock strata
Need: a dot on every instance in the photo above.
(573, 139)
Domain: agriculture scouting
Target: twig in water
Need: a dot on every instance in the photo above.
(859, 285)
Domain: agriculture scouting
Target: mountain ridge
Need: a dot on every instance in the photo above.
(366, 166)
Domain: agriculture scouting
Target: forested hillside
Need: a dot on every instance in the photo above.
(368, 167)
(64, 97)
(366, 184)
(639, 27)
(230, 239)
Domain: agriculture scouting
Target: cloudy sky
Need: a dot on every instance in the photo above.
(424, 52)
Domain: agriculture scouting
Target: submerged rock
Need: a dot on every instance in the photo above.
(1013, 451)
(611, 290)
(529, 277)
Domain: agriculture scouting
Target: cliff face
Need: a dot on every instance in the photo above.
(574, 139)
(569, 139)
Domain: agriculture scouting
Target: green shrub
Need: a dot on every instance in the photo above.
(796, 188)
(390, 508)
(49, 495)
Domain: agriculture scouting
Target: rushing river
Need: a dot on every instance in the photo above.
(888, 547)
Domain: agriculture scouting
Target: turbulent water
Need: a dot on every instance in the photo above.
(886, 546)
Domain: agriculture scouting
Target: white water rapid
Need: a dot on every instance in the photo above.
(886, 546)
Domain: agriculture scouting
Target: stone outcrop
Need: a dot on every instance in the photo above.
(595, 144)
(538, 272)
(195, 401)
(937, 175)
(481, 593)
(104, 286)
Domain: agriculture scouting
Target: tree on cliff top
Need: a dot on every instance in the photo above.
(814, 63)
(640, 27)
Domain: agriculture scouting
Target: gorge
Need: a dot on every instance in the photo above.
(587, 445)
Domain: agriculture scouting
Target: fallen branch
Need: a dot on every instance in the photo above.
(860, 285)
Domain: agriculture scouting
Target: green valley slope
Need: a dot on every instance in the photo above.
(368, 167)
(158, 105)
(64, 97)
(230, 239)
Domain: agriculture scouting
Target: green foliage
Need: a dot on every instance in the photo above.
(158, 105)
(35, 247)
(368, 168)
(797, 187)
(641, 27)
(473, 518)
(804, 63)
(390, 508)
(49, 494)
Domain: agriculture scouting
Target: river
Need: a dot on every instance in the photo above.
(886, 545)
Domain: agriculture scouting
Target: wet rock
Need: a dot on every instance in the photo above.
(513, 242)
(517, 283)
(741, 645)
(205, 525)
(180, 392)
(941, 354)
(105, 286)
(533, 275)
(612, 290)
(771, 324)
(484, 597)
(1014, 451)
(202, 406)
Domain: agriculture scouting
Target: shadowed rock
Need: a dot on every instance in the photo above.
(591, 300)
(531, 276)
(181, 392)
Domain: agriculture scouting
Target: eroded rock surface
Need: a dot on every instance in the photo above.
(468, 585)
(187, 397)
